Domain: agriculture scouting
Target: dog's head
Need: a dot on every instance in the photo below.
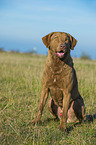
(59, 43)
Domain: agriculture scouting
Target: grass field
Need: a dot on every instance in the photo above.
(20, 87)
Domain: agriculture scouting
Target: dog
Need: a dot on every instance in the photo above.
(59, 79)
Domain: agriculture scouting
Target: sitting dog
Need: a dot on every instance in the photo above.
(59, 79)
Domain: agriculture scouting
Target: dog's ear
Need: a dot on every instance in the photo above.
(73, 41)
(46, 39)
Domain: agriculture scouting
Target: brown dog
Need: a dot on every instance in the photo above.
(59, 78)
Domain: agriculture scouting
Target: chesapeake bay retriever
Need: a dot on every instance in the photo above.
(59, 79)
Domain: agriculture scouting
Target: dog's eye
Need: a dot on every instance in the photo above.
(66, 39)
(55, 37)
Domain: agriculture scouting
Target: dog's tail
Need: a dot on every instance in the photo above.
(90, 118)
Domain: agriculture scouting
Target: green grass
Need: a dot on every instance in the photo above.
(20, 88)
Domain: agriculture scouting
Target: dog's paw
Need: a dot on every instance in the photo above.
(62, 128)
(36, 121)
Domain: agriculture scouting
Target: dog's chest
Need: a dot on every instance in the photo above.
(59, 83)
(57, 95)
(60, 80)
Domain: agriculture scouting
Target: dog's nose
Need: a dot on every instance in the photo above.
(62, 46)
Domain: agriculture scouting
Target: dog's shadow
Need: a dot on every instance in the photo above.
(89, 119)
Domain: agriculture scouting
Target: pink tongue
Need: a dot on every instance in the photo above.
(60, 54)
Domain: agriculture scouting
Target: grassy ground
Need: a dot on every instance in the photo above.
(20, 87)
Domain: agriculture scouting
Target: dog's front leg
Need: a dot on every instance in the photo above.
(63, 118)
(44, 96)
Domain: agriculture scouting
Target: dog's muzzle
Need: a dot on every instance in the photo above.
(61, 53)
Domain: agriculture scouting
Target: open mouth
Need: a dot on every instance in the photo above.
(60, 54)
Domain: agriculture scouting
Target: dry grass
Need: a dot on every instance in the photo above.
(20, 87)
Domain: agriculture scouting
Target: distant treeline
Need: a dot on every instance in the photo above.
(83, 55)
(2, 50)
(16, 51)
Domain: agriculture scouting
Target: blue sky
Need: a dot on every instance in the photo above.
(24, 22)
